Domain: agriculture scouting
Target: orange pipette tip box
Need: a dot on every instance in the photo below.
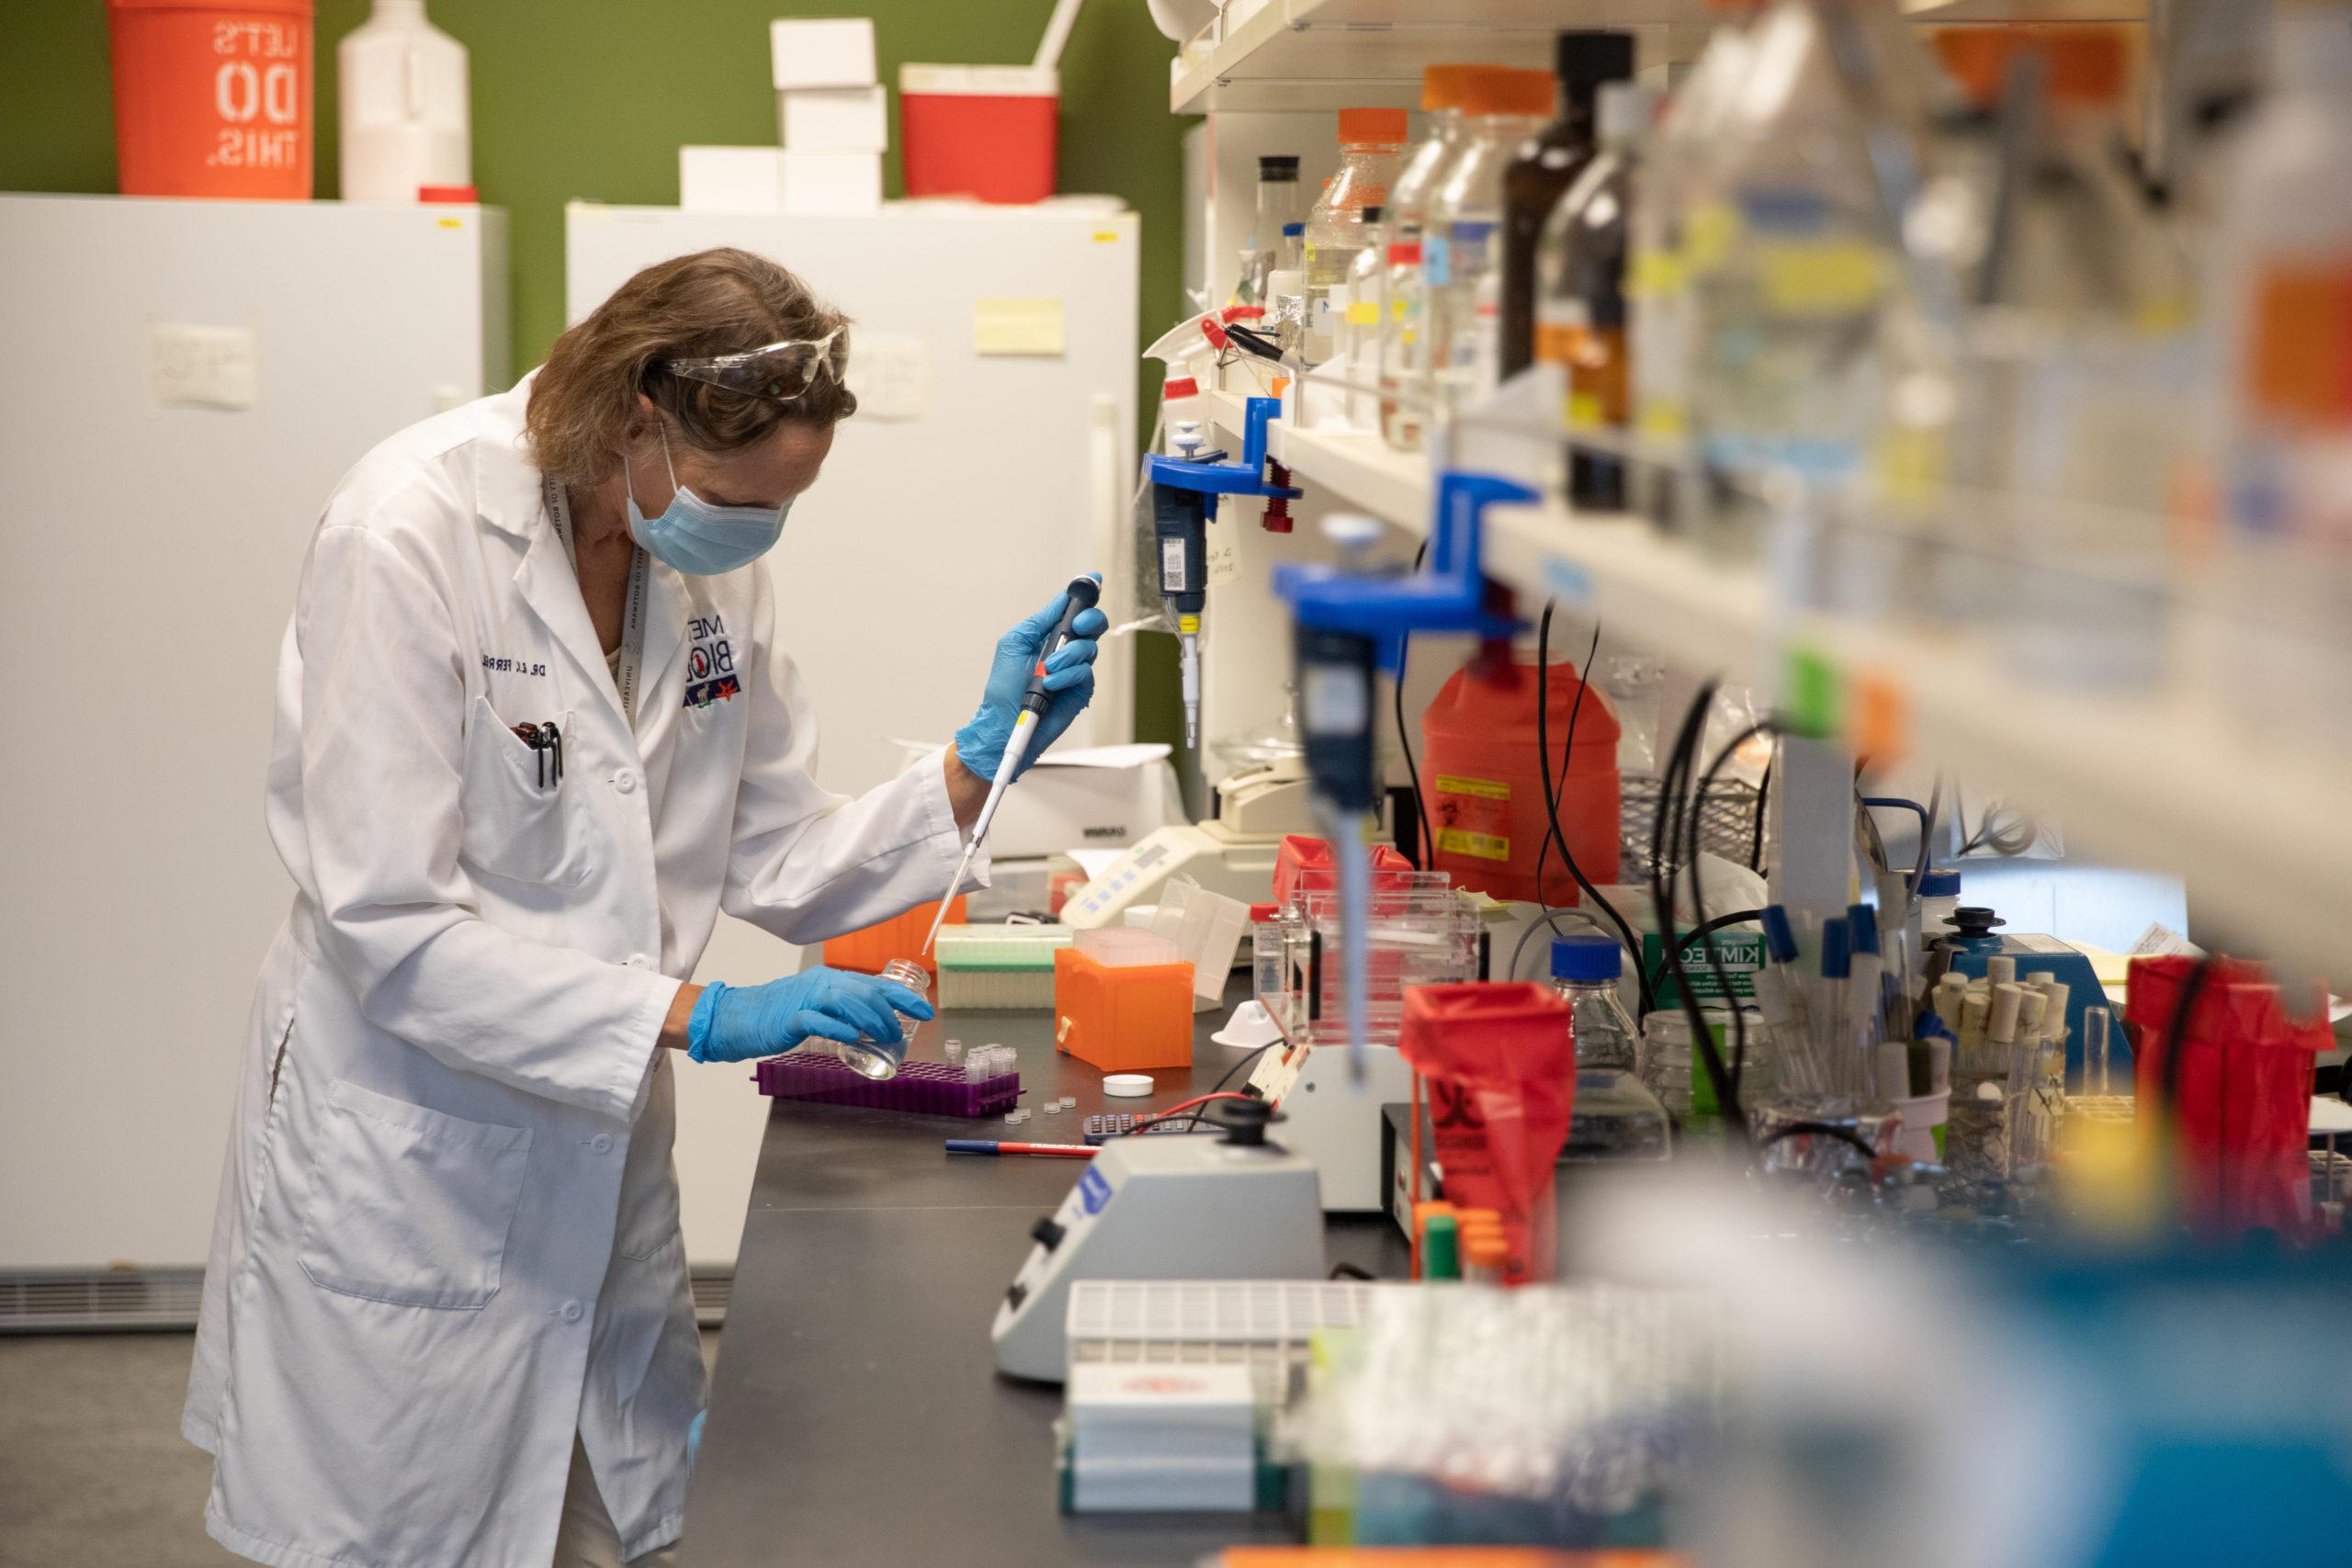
(1126, 1018)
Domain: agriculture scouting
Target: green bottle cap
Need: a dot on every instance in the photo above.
(1441, 1249)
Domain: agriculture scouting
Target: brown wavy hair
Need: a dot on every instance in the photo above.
(584, 401)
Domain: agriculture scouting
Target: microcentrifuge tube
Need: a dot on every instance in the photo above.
(1069, 1102)
(2096, 1022)
(1052, 1108)
(955, 1049)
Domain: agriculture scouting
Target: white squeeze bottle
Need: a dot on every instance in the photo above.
(403, 112)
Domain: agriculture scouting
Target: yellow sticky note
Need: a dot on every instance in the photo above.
(1017, 326)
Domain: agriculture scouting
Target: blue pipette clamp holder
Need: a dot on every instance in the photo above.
(1245, 476)
(1449, 594)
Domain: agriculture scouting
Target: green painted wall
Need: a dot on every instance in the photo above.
(591, 99)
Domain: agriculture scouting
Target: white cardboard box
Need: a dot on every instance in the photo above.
(835, 119)
(731, 179)
(831, 182)
(822, 51)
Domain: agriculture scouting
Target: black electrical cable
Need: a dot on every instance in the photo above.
(2176, 1032)
(1192, 1119)
(1662, 881)
(1763, 799)
(1696, 818)
(1819, 1130)
(1552, 799)
(1427, 859)
(1721, 922)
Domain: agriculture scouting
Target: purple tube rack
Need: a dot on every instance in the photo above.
(931, 1088)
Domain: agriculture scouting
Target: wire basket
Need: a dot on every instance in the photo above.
(1727, 824)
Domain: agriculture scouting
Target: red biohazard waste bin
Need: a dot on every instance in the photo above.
(1482, 771)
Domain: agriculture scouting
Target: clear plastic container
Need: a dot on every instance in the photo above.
(880, 1058)
(1420, 932)
(1278, 207)
(1462, 247)
(1444, 90)
(1372, 147)
(1586, 972)
(1803, 331)
(1677, 182)
(1580, 297)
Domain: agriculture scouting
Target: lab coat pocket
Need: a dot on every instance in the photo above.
(410, 1206)
(516, 826)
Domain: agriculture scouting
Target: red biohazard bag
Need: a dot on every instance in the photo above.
(2244, 1088)
(1304, 865)
(1502, 1071)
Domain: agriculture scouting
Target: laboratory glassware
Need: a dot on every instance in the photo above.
(881, 1058)
(1444, 89)
(1372, 145)
(1458, 344)
(1545, 166)
(1586, 972)
(1580, 311)
(1278, 208)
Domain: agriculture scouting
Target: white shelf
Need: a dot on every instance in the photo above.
(1280, 55)
(2169, 782)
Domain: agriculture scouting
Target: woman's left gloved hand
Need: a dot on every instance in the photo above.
(1069, 678)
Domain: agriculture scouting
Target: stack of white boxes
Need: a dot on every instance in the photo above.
(833, 124)
(831, 113)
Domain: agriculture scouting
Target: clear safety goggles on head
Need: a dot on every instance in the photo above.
(779, 372)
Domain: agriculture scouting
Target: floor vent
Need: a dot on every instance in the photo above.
(123, 1301)
(101, 1300)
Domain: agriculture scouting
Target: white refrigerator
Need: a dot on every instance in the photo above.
(992, 457)
(188, 380)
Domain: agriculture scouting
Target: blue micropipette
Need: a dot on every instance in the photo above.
(1083, 591)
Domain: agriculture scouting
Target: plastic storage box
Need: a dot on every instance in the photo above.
(1123, 1001)
(994, 968)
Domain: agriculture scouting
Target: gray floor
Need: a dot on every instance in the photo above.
(94, 1472)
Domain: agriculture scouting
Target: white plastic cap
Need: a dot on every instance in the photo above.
(1127, 1085)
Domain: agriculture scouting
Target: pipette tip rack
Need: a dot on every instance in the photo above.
(929, 1088)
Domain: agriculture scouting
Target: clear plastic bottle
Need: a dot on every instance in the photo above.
(1462, 245)
(1371, 148)
(880, 1058)
(1676, 179)
(1580, 314)
(1444, 89)
(2072, 358)
(1542, 171)
(1367, 292)
(1585, 972)
(2285, 296)
(1278, 207)
(1797, 283)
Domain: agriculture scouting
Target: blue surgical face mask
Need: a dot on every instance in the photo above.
(696, 537)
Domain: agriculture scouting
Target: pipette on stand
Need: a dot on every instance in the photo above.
(1083, 591)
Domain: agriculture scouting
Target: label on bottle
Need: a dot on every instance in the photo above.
(1363, 313)
(1437, 260)
(2296, 369)
(1474, 814)
(1820, 277)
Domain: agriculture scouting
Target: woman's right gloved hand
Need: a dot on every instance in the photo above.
(736, 1023)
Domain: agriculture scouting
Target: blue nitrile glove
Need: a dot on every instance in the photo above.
(735, 1023)
(1070, 676)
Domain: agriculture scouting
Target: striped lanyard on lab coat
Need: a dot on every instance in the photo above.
(632, 658)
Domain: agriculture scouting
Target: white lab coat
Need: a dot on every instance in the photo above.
(447, 1235)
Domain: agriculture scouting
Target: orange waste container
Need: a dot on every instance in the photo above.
(1483, 772)
(212, 97)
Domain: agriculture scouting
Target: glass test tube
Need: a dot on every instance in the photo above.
(2097, 1022)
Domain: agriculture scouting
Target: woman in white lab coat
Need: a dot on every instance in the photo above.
(534, 729)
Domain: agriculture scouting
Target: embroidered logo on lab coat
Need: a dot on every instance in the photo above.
(711, 676)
